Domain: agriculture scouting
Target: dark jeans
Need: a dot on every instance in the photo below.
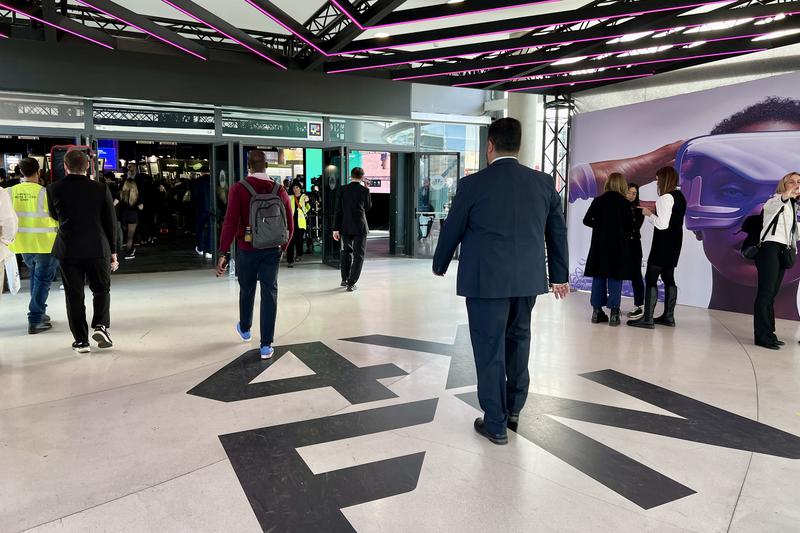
(260, 266)
(74, 272)
(354, 248)
(43, 270)
(500, 330)
(770, 278)
(606, 292)
(204, 226)
(295, 248)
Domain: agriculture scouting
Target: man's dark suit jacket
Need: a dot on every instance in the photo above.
(352, 205)
(502, 216)
(87, 225)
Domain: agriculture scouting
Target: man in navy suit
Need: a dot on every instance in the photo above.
(502, 217)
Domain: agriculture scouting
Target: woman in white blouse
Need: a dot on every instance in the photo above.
(8, 230)
(778, 245)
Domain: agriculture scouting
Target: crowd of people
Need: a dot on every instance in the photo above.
(505, 244)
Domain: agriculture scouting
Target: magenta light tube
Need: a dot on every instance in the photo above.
(237, 41)
(454, 15)
(610, 17)
(628, 65)
(53, 25)
(347, 14)
(287, 28)
(151, 34)
(578, 82)
(609, 37)
(523, 78)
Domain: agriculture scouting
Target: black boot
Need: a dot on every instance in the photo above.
(614, 322)
(598, 316)
(650, 299)
(670, 299)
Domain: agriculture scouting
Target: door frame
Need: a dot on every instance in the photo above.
(331, 250)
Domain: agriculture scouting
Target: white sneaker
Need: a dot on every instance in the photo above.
(208, 255)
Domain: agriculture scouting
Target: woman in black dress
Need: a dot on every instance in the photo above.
(129, 206)
(636, 252)
(609, 263)
(665, 251)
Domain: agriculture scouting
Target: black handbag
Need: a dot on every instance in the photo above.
(787, 257)
(753, 227)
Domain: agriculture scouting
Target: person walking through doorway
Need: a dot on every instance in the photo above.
(130, 204)
(501, 269)
(300, 207)
(86, 246)
(35, 239)
(255, 265)
(351, 228)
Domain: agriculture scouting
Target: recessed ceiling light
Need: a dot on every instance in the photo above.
(454, 1)
(381, 35)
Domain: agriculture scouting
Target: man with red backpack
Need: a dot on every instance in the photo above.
(259, 217)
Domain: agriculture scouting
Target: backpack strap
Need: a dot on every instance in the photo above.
(276, 189)
(249, 187)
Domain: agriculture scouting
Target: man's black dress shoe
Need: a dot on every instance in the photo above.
(768, 345)
(33, 329)
(495, 439)
(513, 421)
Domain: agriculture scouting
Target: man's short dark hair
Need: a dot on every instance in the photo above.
(772, 109)
(204, 169)
(29, 167)
(76, 161)
(257, 161)
(506, 135)
(357, 173)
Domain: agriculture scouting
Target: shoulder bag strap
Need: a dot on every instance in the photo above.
(773, 224)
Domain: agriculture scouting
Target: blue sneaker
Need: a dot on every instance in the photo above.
(245, 335)
(266, 352)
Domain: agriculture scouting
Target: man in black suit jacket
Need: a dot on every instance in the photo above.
(502, 217)
(350, 225)
(86, 246)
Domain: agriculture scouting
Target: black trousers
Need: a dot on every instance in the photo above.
(354, 248)
(74, 273)
(295, 248)
(770, 278)
(500, 330)
(654, 272)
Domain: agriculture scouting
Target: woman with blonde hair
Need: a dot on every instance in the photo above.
(609, 263)
(776, 253)
(665, 250)
(129, 206)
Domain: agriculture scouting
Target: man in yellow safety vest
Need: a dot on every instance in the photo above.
(35, 238)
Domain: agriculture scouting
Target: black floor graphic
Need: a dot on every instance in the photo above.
(638, 483)
(357, 384)
(462, 364)
(287, 496)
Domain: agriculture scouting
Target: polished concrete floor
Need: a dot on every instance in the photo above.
(363, 421)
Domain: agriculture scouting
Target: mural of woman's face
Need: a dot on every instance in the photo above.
(722, 187)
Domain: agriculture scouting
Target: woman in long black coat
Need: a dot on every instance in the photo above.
(609, 262)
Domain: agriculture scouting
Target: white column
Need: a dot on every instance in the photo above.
(524, 107)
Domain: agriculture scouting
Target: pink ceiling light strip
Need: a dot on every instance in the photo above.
(287, 28)
(88, 3)
(628, 65)
(578, 82)
(523, 78)
(514, 49)
(530, 28)
(56, 26)
(444, 17)
(237, 41)
(347, 14)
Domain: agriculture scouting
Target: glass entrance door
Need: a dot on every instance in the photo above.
(436, 184)
(222, 177)
(334, 172)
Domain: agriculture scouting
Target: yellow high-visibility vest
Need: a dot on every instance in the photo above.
(37, 231)
(301, 211)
